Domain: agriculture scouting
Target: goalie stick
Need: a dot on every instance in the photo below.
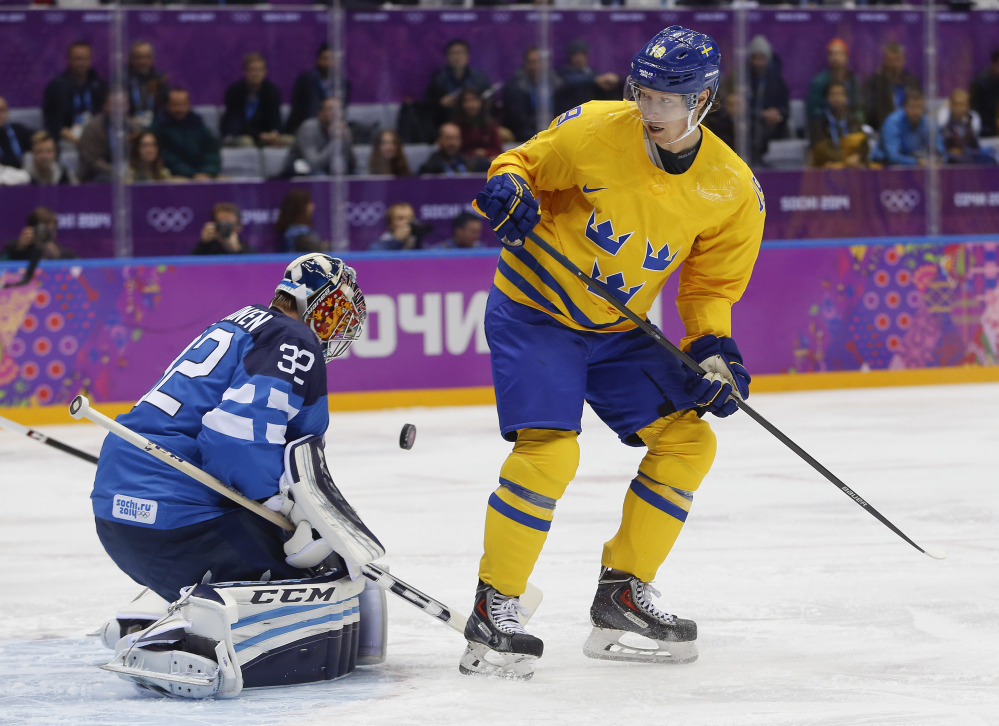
(80, 408)
(42, 438)
(598, 288)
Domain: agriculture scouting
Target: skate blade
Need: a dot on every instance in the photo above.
(173, 673)
(481, 660)
(608, 644)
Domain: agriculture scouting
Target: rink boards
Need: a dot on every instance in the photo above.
(817, 314)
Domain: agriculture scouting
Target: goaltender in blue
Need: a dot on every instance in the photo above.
(245, 402)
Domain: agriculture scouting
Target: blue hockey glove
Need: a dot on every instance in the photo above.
(725, 376)
(510, 206)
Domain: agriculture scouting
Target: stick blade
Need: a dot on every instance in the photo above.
(530, 600)
(935, 553)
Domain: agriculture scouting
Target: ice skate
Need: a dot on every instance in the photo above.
(628, 626)
(498, 645)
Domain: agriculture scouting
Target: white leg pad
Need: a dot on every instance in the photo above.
(221, 638)
(144, 610)
(373, 633)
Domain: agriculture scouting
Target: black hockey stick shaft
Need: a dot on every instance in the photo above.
(29, 272)
(599, 289)
(42, 438)
(410, 594)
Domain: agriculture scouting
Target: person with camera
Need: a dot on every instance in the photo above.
(221, 235)
(466, 233)
(37, 240)
(404, 231)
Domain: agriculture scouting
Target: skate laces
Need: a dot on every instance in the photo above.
(643, 590)
(504, 612)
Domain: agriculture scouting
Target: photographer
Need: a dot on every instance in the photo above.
(221, 235)
(37, 240)
(404, 231)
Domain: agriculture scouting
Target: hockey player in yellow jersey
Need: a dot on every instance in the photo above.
(631, 192)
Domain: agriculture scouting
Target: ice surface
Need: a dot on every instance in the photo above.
(811, 613)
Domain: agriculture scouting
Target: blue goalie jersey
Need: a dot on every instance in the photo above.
(228, 404)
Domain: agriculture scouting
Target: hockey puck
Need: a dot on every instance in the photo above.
(407, 436)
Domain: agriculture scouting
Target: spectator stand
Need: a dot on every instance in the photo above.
(187, 41)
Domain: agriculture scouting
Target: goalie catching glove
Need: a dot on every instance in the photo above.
(311, 501)
(510, 206)
(303, 549)
(725, 377)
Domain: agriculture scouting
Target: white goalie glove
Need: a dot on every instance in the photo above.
(312, 502)
(303, 549)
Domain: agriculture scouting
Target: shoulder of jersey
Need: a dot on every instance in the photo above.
(610, 123)
(281, 328)
(291, 328)
(720, 150)
(721, 156)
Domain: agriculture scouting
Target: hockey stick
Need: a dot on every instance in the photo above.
(29, 272)
(42, 438)
(80, 408)
(599, 289)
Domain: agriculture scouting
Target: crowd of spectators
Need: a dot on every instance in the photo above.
(463, 119)
(466, 116)
(880, 120)
(469, 118)
(167, 140)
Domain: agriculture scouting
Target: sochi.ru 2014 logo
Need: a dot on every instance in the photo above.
(900, 201)
(169, 219)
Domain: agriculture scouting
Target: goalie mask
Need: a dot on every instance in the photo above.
(328, 299)
(669, 74)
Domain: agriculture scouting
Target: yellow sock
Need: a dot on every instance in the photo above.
(520, 512)
(681, 450)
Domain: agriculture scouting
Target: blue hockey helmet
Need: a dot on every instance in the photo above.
(678, 60)
(328, 300)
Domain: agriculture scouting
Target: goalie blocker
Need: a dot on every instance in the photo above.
(311, 501)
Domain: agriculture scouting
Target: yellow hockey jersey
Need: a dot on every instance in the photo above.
(627, 223)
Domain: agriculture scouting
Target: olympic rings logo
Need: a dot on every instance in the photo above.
(900, 201)
(169, 219)
(365, 214)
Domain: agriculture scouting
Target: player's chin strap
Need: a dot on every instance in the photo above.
(650, 146)
(80, 408)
